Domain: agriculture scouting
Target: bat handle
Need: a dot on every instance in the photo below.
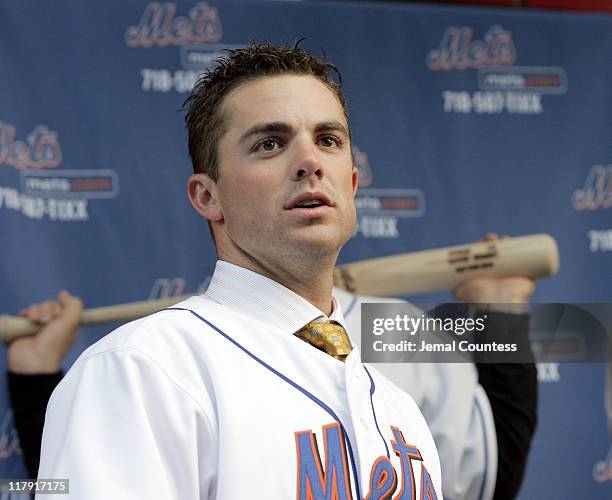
(12, 327)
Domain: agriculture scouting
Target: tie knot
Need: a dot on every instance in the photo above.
(328, 337)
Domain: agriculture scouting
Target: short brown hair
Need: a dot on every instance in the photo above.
(204, 121)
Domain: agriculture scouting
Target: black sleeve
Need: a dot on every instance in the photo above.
(512, 389)
(29, 397)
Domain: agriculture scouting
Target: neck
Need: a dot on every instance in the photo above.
(311, 277)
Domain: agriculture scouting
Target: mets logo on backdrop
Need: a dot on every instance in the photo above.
(44, 191)
(504, 87)
(596, 194)
(196, 34)
(40, 149)
(458, 49)
(597, 191)
(380, 210)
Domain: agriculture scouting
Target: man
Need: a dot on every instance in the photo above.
(215, 398)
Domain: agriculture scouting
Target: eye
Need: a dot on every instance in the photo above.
(330, 141)
(267, 145)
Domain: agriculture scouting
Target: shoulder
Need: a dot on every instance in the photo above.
(173, 325)
(176, 342)
(167, 353)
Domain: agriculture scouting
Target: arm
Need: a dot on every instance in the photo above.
(34, 369)
(510, 388)
(29, 397)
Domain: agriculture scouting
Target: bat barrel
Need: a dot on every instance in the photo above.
(534, 256)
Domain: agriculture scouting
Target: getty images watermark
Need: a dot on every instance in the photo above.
(485, 333)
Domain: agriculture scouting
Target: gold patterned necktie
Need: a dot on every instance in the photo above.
(328, 337)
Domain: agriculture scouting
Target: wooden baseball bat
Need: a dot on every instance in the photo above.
(534, 256)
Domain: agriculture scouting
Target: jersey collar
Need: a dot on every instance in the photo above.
(253, 294)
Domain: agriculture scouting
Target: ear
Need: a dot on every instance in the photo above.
(203, 195)
(355, 180)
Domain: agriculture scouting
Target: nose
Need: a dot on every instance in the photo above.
(306, 162)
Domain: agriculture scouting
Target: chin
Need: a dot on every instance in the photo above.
(321, 240)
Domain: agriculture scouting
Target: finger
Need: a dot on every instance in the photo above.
(63, 296)
(48, 310)
(55, 309)
(70, 301)
(33, 313)
(72, 306)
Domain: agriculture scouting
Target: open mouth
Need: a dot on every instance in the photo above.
(309, 204)
(310, 201)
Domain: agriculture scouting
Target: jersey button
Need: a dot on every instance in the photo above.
(364, 422)
(340, 381)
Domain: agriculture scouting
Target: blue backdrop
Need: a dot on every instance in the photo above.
(464, 120)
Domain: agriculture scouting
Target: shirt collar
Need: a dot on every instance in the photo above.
(251, 293)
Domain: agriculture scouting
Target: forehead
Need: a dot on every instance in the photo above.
(294, 99)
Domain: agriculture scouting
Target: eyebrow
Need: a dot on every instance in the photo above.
(285, 128)
(265, 128)
(333, 126)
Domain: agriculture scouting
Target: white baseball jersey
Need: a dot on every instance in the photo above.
(215, 398)
(455, 407)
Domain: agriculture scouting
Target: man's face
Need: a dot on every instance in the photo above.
(286, 180)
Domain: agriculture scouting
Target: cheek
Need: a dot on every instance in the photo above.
(348, 195)
(262, 184)
(247, 201)
(346, 185)
(233, 189)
